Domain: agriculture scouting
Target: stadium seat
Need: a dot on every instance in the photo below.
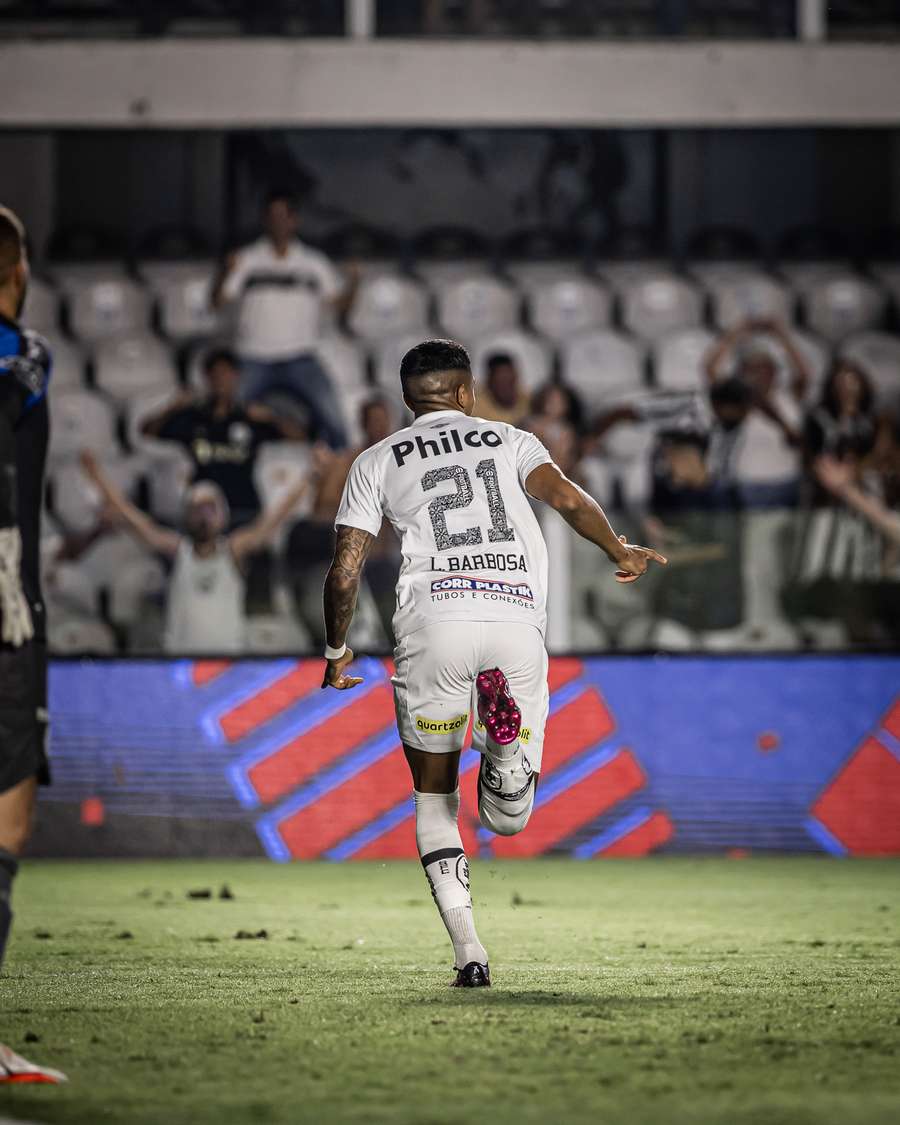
(131, 586)
(68, 363)
(279, 467)
(167, 479)
(803, 275)
(386, 357)
(739, 297)
(601, 366)
(77, 502)
(532, 356)
(41, 311)
(107, 306)
(559, 308)
(183, 292)
(878, 353)
(70, 636)
(342, 360)
(656, 305)
(388, 305)
(531, 275)
(841, 305)
(271, 635)
(438, 276)
(623, 275)
(888, 275)
(679, 357)
(138, 408)
(80, 419)
(133, 365)
(474, 306)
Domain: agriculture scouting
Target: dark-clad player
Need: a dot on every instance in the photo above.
(24, 429)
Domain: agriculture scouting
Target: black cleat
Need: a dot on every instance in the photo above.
(473, 975)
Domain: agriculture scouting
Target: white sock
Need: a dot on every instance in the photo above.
(447, 870)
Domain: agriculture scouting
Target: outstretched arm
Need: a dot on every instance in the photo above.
(581, 512)
(341, 591)
(837, 477)
(158, 538)
(259, 533)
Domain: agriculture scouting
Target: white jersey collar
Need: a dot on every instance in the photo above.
(423, 418)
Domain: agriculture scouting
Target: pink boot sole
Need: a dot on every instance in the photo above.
(496, 707)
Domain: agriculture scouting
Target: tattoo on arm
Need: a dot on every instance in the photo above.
(342, 583)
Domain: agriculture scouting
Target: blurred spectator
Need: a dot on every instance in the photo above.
(843, 424)
(221, 435)
(311, 541)
(555, 419)
(761, 441)
(281, 286)
(205, 610)
(702, 588)
(501, 397)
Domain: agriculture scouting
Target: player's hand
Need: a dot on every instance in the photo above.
(334, 673)
(635, 560)
(17, 627)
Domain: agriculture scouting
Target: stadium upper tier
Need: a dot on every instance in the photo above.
(557, 19)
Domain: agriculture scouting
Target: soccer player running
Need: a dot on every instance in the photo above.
(470, 614)
(24, 429)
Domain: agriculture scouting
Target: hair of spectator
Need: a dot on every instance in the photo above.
(12, 243)
(829, 387)
(574, 410)
(692, 439)
(281, 195)
(433, 369)
(219, 355)
(499, 359)
(208, 490)
(370, 404)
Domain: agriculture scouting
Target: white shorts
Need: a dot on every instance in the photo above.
(434, 682)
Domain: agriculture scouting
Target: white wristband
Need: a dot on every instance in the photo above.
(334, 653)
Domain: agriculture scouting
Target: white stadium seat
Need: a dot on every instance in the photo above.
(802, 275)
(342, 360)
(167, 478)
(657, 305)
(678, 359)
(41, 311)
(532, 357)
(437, 276)
(475, 306)
(387, 356)
(561, 307)
(602, 366)
(68, 364)
(183, 292)
(533, 275)
(879, 355)
(80, 420)
(839, 306)
(623, 275)
(889, 276)
(79, 635)
(77, 502)
(279, 467)
(712, 273)
(747, 296)
(132, 585)
(107, 307)
(388, 305)
(133, 365)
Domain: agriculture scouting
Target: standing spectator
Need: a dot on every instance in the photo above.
(843, 424)
(221, 435)
(281, 286)
(501, 397)
(311, 542)
(555, 419)
(205, 610)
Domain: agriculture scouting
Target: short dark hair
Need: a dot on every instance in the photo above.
(732, 391)
(219, 355)
(433, 357)
(12, 242)
(281, 195)
(499, 359)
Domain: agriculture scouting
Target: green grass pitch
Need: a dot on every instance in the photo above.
(665, 990)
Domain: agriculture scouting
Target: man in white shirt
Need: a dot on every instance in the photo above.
(471, 609)
(281, 286)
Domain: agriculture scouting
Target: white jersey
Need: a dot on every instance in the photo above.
(454, 489)
(280, 298)
(205, 607)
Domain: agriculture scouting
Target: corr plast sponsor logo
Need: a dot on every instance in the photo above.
(485, 585)
(440, 726)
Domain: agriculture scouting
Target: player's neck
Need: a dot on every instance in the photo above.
(437, 408)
